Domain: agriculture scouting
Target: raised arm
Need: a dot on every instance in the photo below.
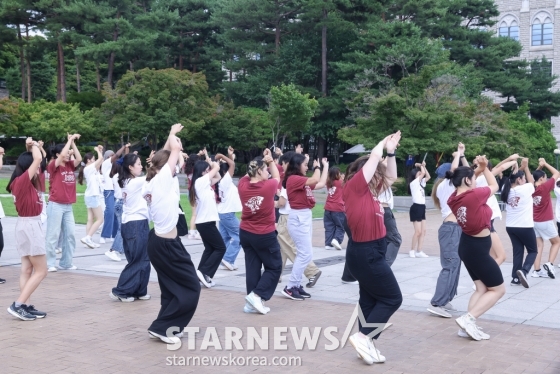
(324, 174)
(555, 173)
(391, 163)
(175, 146)
(503, 167)
(214, 174)
(482, 163)
(77, 155)
(271, 165)
(118, 154)
(67, 146)
(99, 160)
(37, 158)
(377, 152)
(513, 157)
(525, 168)
(427, 175)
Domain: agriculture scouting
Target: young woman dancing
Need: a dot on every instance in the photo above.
(25, 187)
(189, 168)
(180, 289)
(300, 194)
(229, 204)
(334, 211)
(203, 198)
(393, 237)
(258, 233)
(518, 195)
(380, 295)
(93, 195)
(418, 209)
(117, 247)
(545, 229)
(62, 194)
(109, 229)
(133, 281)
(468, 204)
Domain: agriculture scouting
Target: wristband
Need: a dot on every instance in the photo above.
(390, 154)
(462, 156)
(316, 167)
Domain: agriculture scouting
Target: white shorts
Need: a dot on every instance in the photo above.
(546, 230)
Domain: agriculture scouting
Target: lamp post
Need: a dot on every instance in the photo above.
(557, 153)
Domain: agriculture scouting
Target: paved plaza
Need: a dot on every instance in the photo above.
(87, 332)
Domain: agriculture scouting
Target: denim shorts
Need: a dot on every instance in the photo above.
(92, 201)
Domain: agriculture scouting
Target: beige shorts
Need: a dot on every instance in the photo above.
(30, 236)
(546, 230)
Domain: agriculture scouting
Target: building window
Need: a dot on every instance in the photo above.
(543, 67)
(542, 33)
(510, 32)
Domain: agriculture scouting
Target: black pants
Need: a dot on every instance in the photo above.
(380, 295)
(475, 254)
(1, 238)
(261, 250)
(346, 274)
(522, 237)
(182, 227)
(214, 248)
(394, 239)
(135, 276)
(180, 287)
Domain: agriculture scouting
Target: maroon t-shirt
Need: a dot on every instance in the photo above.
(62, 183)
(27, 199)
(542, 202)
(471, 210)
(360, 203)
(334, 201)
(300, 196)
(257, 199)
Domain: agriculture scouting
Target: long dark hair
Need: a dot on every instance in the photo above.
(124, 169)
(456, 176)
(513, 177)
(24, 162)
(377, 183)
(88, 156)
(198, 169)
(334, 175)
(294, 167)
(224, 167)
(538, 174)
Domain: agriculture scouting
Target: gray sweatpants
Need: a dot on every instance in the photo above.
(449, 235)
(300, 223)
(393, 237)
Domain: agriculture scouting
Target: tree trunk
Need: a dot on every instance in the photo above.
(28, 66)
(322, 143)
(181, 62)
(111, 63)
(61, 74)
(131, 65)
(98, 76)
(277, 37)
(181, 46)
(78, 83)
(21, 64)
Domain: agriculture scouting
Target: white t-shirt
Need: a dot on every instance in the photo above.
(134, 205)
(444, 190)
(106, 167)
(492, 202)
(286, 208)
(519, 207)
(387, 198)
(206, 209)
(92, 181)
(417, 190)
(116, 187)
(163, 200)
(229, 195)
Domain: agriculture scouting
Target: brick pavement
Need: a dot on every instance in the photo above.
(87, 332)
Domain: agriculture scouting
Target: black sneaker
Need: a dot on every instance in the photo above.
(515, 282)
(303, 293)
(2, 281)
(313, 280)
(21, 312)
(31, 309)
(292, 293)
(522, 278)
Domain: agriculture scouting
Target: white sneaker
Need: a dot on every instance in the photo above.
(70, 268)
(248, 308)
(539, 274)
(365, 348)
(165, 339)
(52, 269)
(111, 240)
(87, 241)
(122, 299)
(350, 282)
(102, 240)
(439, 311)
(256, 302)
(113, 255)
(148, 297)
(421, 254)
(549, 268)
(95, 245)
(227, 265)
(58, 251)
(467, 324)
(328, 247)
(190, 236)
(336, 244)
(206, 281)
(412, 254)
(197, 236)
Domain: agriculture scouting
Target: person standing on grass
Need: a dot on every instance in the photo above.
(92, 196)
(228, 204)
(258, 234)
(545, 229)
(2, 215)
(133, 281)
(62, 194)
(417, 212)
(518, 195)
(380, 295)
(468, 205)
(25, 187)
(334, 211)
(180, 288)
(109, 230)
(203, 198)
(300, 220)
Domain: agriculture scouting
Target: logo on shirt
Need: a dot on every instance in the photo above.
(513, 202)
(537, 200)
(148, 198)
(331, 191)
(254, 203)
(462, 215)
(68, 177)
(309, 193)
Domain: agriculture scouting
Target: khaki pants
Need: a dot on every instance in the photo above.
(288, 248)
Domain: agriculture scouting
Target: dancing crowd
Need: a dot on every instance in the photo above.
(275, 199)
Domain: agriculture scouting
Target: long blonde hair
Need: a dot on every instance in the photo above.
(377, 183)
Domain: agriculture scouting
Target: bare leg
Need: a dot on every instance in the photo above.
(485, 301)
(497, 250)
(89, 220)
(417, 233)
(540, 245)
(422, 235)
(97, 220)
(38, 265)
(555, 246)
(480, 290)
(193, 219)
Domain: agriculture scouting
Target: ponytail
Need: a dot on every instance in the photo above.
(434, 192)
(507, 185)
(158, 161)
(538, 174)
(88, 156)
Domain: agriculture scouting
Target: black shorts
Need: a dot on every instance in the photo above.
(417, 212)
(475, 254)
